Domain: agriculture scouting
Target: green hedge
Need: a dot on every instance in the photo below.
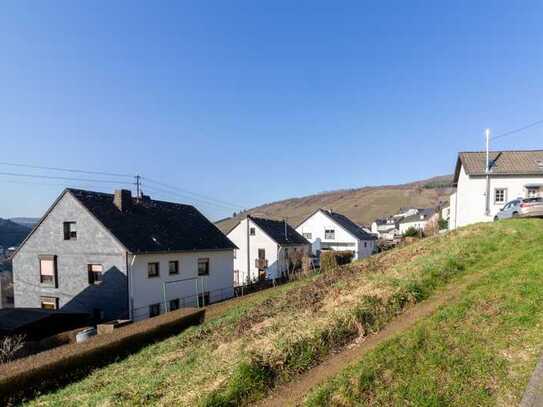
(331, 259)
(51, 369)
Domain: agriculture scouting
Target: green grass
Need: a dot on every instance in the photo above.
(479, 351)
(271, 337)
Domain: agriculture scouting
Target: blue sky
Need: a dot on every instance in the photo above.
(250, 102)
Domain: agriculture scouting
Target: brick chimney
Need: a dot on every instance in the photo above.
(122, 199)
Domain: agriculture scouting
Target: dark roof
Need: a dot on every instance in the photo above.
(426, 213)
(349, 225)
(152, 226)
(276, 230)
(529, 162)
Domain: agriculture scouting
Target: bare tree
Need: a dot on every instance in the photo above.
(10, 346)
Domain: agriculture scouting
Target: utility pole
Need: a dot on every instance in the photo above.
(138, 186)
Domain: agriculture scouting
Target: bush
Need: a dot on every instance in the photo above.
(53, 368)
(331, 259)
(443, 224)
(412, 232)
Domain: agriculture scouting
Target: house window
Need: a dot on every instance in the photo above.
(173, 267)
(532, 192)
(330, 234)
(69, 231)
(153, 270)
(174, 304)
(500, 195)
(308, 236)
(154, 310)
(203, 267)
(95, 273)
(50, 303)
(48, 271)
(203, 299)
(252, 231)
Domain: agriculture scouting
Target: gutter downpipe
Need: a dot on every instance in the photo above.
(248, 252)
(487, 170)
(131, 288)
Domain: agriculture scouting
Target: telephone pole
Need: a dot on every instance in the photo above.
(138, 186)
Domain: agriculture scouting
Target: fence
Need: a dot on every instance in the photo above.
(202, 296)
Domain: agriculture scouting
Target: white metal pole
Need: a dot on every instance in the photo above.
(487, 136)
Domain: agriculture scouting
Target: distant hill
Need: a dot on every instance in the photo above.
(362, 205)
(11, 233)
(30, 222)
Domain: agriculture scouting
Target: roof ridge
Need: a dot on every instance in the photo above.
(501, 151)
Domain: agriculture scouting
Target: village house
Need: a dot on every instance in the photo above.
(118, 256)
(418, 221)
(328, 230)
(481, 192)
(267, 249)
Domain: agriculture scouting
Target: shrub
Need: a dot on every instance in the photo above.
(443, 224)
(52, 368)
(412, 232)
(331, 259)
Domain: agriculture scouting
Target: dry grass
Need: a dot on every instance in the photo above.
(237, 357)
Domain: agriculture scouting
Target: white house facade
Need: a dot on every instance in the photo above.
(265, 249)
(418, 221)
(115, 256)
(327, 230)
(480, 194)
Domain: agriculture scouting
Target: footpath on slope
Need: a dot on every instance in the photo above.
(293, 393)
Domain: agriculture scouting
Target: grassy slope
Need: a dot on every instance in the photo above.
(362, 205)
(479, 351)
(269, 338)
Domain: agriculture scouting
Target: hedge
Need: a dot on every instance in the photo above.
(51, 369)
(331, 259)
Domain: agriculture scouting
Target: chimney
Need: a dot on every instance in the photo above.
(122, 199)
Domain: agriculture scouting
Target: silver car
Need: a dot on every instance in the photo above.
(525, 207)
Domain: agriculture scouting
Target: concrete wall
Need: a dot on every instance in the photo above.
(146, 291)
(94, 245)
(470, 199)
(319, 222)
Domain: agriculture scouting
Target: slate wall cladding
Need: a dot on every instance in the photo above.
(93, 245)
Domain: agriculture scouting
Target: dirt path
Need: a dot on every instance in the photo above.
(293, 393)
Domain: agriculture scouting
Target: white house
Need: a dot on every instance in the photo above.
(118, 256)
(385, 228)
(266, 249)
(418, 221)
(327, 230)
(480, 194)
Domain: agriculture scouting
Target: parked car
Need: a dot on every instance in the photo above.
(525, 207)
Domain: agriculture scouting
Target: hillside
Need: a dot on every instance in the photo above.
(454, 320)
(11, 233)
(362, 205)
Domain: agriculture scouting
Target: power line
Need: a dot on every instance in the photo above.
(183, 196)
(508, 133)
(15, 174)
(184, 191)
(111, 174)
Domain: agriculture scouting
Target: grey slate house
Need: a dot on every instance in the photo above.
(102, 254)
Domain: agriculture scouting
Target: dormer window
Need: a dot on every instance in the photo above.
(69, 231)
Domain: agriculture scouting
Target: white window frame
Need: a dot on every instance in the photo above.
(504, 200)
